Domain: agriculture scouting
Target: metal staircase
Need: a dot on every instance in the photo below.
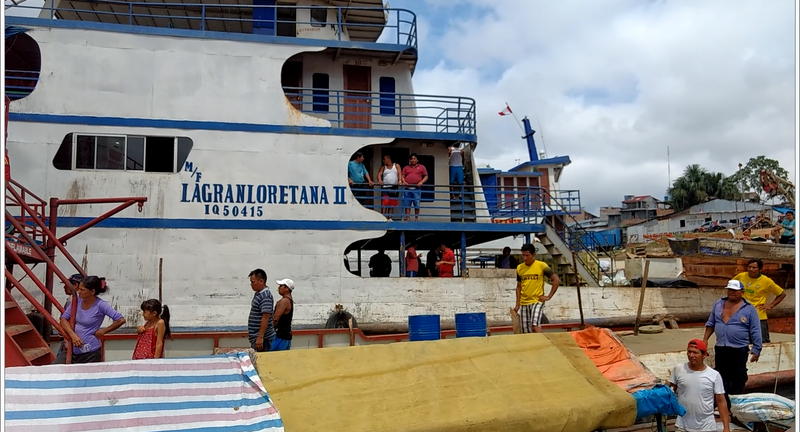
(463, 209)
(30, 240)
(575, 262)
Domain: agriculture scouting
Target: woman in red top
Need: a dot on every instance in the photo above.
(150, 343)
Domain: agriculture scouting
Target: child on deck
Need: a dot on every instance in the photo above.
(150, 343)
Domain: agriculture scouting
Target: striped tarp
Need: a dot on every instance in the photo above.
(198, 394)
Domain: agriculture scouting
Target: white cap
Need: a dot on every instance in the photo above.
(735, 285)
(288, 282)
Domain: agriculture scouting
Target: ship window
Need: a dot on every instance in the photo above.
(123, 153)
(110, 153)
(683, 224)
(321, 83)
(319, 17)
(387, 95)
(135, 156)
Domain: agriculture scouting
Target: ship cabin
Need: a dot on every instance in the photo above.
(348, 81)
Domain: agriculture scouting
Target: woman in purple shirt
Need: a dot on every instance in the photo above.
(91, 313)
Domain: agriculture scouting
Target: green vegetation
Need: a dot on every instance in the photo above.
(698, 185)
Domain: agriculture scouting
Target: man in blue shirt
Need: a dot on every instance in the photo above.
(358, 178)
(735, 322)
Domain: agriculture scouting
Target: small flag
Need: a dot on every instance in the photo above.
(506, 111)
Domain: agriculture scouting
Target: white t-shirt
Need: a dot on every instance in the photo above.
(696, 392)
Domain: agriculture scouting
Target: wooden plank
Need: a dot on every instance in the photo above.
(641, 296)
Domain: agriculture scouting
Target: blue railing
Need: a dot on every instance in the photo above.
(462, 203)
(393, 25)
(396, 111)
(20, 83)
(575, 236)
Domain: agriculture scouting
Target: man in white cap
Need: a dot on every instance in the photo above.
(736, 324)
(282, 318)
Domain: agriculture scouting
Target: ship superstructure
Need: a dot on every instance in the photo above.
(237, 122)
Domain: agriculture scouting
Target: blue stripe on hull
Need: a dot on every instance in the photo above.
(311, 225)
(234, 127)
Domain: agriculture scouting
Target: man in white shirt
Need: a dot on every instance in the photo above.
(697, 387)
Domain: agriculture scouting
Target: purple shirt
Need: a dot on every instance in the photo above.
(87, 322)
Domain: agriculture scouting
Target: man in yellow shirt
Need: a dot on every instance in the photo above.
(756, 289)
(530, 289)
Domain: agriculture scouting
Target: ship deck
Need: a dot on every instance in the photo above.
(676, 339)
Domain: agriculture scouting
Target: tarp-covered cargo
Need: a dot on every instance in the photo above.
(527, 382)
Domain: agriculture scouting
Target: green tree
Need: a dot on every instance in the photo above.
(697, 185)
(688, 189)
(720, 186)
(746, 179)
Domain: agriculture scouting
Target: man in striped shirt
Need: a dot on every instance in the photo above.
(259, 324)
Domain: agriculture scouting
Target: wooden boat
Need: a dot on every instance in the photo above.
(717, 271)
(732, 249)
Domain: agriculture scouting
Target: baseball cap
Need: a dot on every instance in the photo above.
(288, 282)
(735, 285)
(698, 344)
(76, 278)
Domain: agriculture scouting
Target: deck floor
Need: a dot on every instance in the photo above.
(675, 340)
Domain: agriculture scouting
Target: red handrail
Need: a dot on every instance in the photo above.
(18, 260)
(10, 277)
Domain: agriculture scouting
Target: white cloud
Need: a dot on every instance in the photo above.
(713, 82)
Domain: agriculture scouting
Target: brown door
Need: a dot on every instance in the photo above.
(357, 103)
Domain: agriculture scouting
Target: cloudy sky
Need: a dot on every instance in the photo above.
(616, 82)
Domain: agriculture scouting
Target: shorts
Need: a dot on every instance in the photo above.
(412, 198)
(530, 316)
(389, 196)
(279, 344)
(456, 175)
(786, 240)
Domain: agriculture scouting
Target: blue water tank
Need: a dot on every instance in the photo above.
(424, 327)
(471, 324)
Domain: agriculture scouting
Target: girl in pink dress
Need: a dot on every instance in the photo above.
(150, 343)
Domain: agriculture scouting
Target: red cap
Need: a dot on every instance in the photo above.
(699, 345)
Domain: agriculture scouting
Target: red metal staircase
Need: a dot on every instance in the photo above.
(30, 240)
(24, 345)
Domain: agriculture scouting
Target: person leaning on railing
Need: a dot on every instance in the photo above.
(358, 178)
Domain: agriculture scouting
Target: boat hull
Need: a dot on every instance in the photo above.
(733, 249)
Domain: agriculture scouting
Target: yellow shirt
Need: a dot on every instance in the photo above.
(756, 290)
(532, 280)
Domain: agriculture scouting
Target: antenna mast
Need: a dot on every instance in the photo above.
(669, 173)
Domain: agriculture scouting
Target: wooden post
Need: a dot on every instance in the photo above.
(578, 289)
(641, 296)
(160, 278)
(352, 333)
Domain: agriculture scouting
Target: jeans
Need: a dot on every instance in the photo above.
(764, 331)
(266, 347)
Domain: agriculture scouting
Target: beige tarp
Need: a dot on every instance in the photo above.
(525, 382)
